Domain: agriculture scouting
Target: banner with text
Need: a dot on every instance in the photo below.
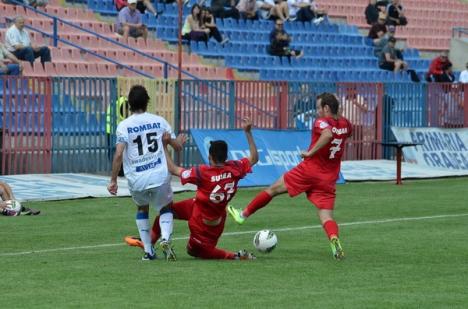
(441, 148)
(278, 151)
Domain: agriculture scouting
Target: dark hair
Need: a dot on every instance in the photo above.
(218, 151)
(392, 40)
(330, 100)
(138, 98)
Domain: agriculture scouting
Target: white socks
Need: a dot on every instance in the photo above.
(166, 222)
(142, 223)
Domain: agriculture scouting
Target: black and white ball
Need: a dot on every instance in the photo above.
(13, 207)
(265, 241)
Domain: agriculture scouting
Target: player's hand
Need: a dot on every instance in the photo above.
(182, 138)
(247, 124)
(305, 154)
(112, 187)
(166, 139)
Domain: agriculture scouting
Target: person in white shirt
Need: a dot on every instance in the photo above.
(12, 66)
(139, 145)
(464, 75)
(17, 42)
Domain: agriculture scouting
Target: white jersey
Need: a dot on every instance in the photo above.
(144, 161)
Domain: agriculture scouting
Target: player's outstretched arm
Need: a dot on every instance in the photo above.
(247, 126)
(325, 137)
(178, 143)
(171, 166)
(116, 164)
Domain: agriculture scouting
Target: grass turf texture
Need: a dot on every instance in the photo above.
(401, 264)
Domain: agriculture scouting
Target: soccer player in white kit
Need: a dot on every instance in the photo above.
(139, 145)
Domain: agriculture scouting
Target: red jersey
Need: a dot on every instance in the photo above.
(216, 186)
(327, 160)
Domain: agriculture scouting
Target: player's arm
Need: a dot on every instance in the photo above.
(325, 137)
(116, 164)
(171, 166)
(247, 125)
(178, 142)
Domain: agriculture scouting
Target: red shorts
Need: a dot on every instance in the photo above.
(205, 234)
(319, 191)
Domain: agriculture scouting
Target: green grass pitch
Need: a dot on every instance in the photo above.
(406, 247)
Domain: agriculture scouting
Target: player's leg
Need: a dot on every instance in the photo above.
(142, 223)
(198, 249)
(260, 200)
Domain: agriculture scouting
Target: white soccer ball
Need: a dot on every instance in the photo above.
(14, 207)
(265, 241)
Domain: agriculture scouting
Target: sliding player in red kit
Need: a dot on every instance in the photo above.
(317, 174)
(216, 186)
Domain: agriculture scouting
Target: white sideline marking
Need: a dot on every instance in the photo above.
(286, 229)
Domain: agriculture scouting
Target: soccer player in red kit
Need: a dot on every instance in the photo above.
(317, 174)
(216, 186)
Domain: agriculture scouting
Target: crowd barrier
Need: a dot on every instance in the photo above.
(59, 125)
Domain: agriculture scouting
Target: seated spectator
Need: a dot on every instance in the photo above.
(142, 6)
(382, 5)
(209, 23)
(247, 9)
(17, 42)
(279, 43)
(301, 10)
(440, 70)
(379, 46)
(396, 15)
(320, 14)
(193, 29)
(129, 22)
(34, 3)
(274, 9)
(6, 67)
(464, 75)
(389, 60)
(378, 30)
(371, 12)
(224, 9)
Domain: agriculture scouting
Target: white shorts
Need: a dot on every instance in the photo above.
(157, 197)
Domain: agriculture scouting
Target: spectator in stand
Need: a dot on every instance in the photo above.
(279, 43)
(209, 23)
(379, 46)
(141, 6)
(17, 42)
(129, 22)
(382, 5)
(274, 9)
(378, 30)
(440, 70)
(193, 29)
(301, 10)
(372, 12)
(247, 9)
(396, 15)
(464, 75)
(36, 3)
(389, 58)
(224, 9)
(6, 67)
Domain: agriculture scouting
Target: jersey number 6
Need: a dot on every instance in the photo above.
(217, 196)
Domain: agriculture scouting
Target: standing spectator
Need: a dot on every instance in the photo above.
(378, 30)
(17, 42)
(129, 22)
(142, 6)
(6, 68)
(247, 9)
(279, 43)
(440, 70)
(371, 12)
(464, 75)
(396, 15)
(379, 46)
(209, 23)
(389, 60)
(224, 9)
(193, 26)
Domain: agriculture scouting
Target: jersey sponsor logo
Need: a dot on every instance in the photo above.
(323, 124)
(148, 166)
(340, 131)
(144, 127)
(217, 178)
(186, 174)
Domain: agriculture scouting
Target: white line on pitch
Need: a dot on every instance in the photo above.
(286, 229)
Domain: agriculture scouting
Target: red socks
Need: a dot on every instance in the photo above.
(260, 201)
(331, 228)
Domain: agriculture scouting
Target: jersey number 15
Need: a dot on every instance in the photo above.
(151, 140)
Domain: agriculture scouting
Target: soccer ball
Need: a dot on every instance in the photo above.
(265, 241)
(13, 207)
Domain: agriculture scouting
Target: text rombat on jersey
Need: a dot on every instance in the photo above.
(144, 127)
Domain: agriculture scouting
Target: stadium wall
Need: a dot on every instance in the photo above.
(58, 125)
